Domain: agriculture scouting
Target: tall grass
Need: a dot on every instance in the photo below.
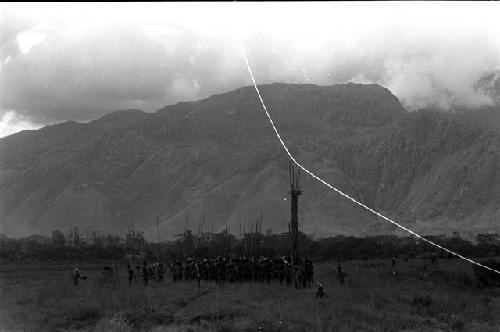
(372, 300)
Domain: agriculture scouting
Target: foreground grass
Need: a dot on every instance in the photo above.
(42, 298)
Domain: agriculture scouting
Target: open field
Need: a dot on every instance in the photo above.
(41, 297)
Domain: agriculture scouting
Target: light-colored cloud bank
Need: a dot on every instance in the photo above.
(78, 61)
(11, 122)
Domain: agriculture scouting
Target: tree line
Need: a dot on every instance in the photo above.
(132, 245)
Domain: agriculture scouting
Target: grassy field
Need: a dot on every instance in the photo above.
(41, 297)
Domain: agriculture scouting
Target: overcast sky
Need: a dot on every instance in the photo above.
(79, 61)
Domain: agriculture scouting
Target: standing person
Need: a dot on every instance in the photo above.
(298, 275)
(137, 272)
(282, 270)
(320, 292)
(198, 275)
(76, 277)
(267, 270)
(151, 272)
(177, 270)
(288, 275)
(393, 263)
(145, 273)
(130, 274)
(340, 275)
(160, 271)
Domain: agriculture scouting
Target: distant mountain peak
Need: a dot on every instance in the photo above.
(341, 104)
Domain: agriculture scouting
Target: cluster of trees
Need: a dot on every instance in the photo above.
(73, 245)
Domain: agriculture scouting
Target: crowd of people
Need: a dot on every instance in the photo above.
(219, 270)
(154, 271)
(223, 270)
(245, 269)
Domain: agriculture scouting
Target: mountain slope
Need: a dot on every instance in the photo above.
(220, 157)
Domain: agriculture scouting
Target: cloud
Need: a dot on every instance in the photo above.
(27, 39)
(80, 64)
(11, 122)
(423, 66)
(80, 76)
(444, 73)
(83, 73)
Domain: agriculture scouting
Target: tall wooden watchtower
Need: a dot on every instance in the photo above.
(295, 191)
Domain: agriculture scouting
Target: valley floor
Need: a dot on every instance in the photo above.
(41, 297)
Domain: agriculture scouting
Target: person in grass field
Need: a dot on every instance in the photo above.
(130, 274)
(145, 273)
(137, 272)
(341, 275)
(393, 264)
(76, 277)
(320, 292)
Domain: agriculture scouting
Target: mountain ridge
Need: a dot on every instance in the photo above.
(219, 156)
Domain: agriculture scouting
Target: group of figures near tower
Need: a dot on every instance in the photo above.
(223, 269)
